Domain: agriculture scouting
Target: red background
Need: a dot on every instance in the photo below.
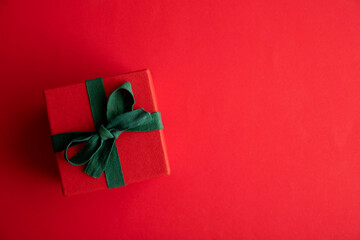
(260, 102)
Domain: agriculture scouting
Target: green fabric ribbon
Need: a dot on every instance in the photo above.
(111, 118)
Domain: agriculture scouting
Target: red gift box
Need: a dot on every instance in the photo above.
(142, 154)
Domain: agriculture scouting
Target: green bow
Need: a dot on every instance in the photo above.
(100, 152)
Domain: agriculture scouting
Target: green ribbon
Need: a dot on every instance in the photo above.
(111, 118)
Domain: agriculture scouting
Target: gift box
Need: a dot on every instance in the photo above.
(139, 149)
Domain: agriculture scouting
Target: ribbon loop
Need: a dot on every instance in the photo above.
(120, 101)
(86, 152)
(100, 152)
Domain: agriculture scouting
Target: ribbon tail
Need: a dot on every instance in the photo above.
(113, 171)
(130, 120)
(99, 159)
(154, 124)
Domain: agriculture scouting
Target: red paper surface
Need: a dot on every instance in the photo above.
(260, 100)
(142, 155)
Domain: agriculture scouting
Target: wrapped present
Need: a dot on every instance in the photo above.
(107, 132)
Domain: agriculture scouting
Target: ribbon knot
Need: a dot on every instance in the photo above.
(111, 118)
(104, 133)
